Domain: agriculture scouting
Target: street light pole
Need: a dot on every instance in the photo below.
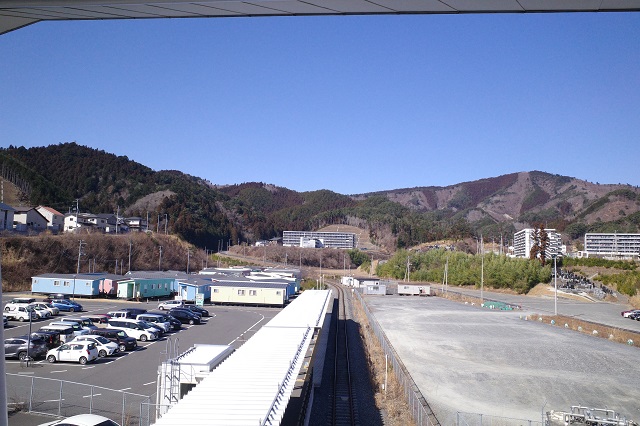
(555, 284)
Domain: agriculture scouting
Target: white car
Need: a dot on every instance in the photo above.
(49, 307)
(138, 329)
(20, 313)
(83, 420)
(81, 352)
(105, 346)
(42, 313)
(170, 304)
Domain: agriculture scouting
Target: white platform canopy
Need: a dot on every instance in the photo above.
(253, 386)
(15, 14)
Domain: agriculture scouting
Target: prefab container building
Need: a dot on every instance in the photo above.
(413, 290)
(191, 286)
(71, 284)
(144, 284)
(249, 293)
(371, 289)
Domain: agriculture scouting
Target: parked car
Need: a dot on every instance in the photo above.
(175, 324)
(21, 313)
(156, 319)
(67, 305)
(18, 347)
(105, 346)
(66, 332)
(98, 318)
(626, 314)
(5, 320)
(170, 304)
(52, 297)
(198, 310)
(187, 310)
(81, 352)
(51, 338)
(25, 300)
(133, 328)
(83, 322)
(635, 316)
(42, 313)
(48, 306)
(185, 316)
(124, 341)
(77, 328)
(83, 420)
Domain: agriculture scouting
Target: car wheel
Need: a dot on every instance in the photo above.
(22, 356)
(71, 310)
(191, 322)
(83, 360)
(102, 353)
(123, 348)
(143, 338)
(51, 359)
(161, 308)
(6, 309)
(21, 319)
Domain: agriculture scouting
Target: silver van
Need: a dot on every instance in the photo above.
(66, 331)
(77, 328)
(156, 319)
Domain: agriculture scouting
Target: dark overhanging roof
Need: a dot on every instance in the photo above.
(16, 14)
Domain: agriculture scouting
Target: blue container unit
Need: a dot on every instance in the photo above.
(72, 284)
(145, 288)
(188, 287)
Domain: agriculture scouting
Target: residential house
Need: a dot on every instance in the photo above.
(6, 216)
(29, 219)
(136, 224)
(55, 219)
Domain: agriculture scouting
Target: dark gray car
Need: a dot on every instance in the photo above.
(16, 347)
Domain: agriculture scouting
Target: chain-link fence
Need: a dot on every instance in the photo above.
(476, 419)
(63, 398)
(420, 410)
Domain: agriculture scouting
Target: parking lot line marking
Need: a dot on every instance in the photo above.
(147, 384)
(246, 331)
(90, 396)
(53, 400)
(26, 372)
(125, 389)
(86, 368)
(59, 371)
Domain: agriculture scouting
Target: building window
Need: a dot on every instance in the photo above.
(166, 286)
(240, 292)
(56, 283)
(146, 286)
(216, 290)
(253, 292)
(278, 292)
(88, 284)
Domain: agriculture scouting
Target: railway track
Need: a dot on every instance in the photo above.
(343, 411)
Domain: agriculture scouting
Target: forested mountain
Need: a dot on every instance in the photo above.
(210, 216)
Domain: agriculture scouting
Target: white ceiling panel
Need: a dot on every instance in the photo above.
(485, 6)
(415, 6)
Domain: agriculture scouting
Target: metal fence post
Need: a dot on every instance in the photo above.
(60, 400)
(31, 394)
(124, 396)
(91, 401)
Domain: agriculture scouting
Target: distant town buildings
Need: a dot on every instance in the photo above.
(341, 240)
(612, 245)
(524, 240)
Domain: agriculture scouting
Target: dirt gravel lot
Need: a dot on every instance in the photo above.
(465, 358)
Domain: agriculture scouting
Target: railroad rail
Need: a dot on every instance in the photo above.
(343, 411)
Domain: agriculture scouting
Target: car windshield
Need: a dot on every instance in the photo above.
(145, 325)
(122, 334)
(103, 340)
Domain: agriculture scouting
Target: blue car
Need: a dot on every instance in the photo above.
(67, 305)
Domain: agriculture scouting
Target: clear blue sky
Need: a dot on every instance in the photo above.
(351, 104)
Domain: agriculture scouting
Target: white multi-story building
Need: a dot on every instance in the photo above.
(622, 246)
(342, 240)
(523, 242)
(55, 219)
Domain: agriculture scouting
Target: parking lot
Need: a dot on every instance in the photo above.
(137, 371)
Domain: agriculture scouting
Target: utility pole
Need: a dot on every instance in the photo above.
(188, 259)
(82, 243)
(160, 260)
(165, 223)
(158, 225)
(129, 255)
